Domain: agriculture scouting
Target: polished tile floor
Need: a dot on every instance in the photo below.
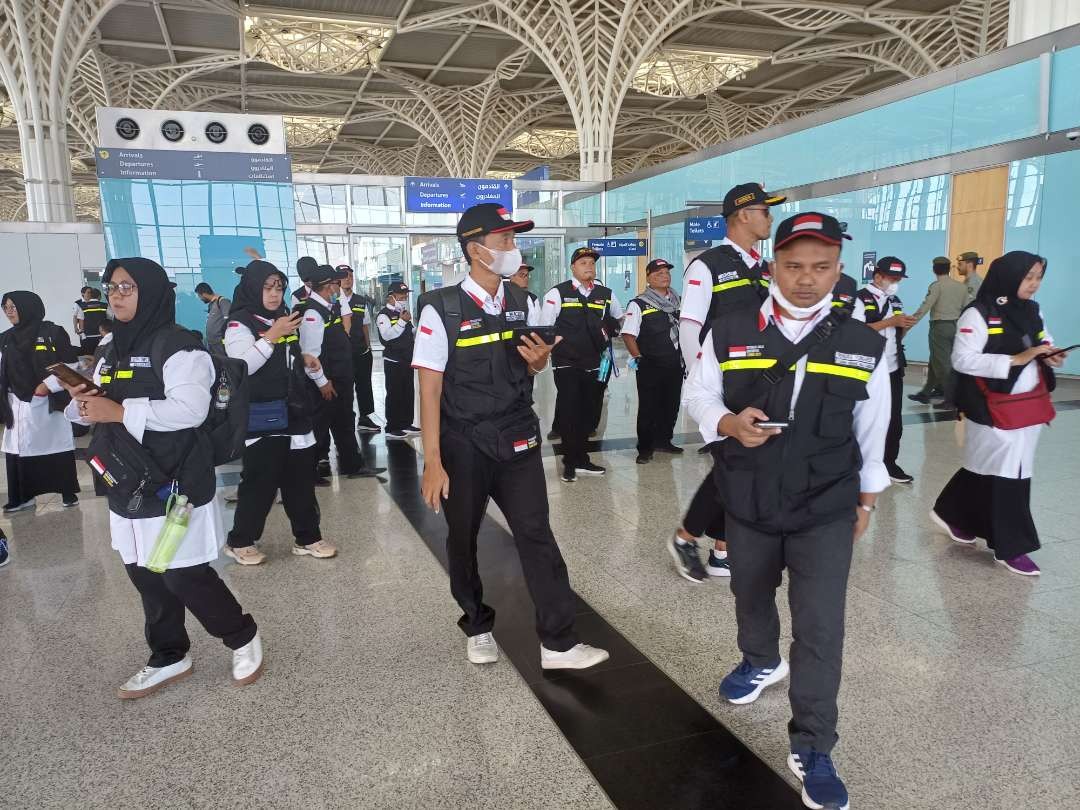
(959, 688)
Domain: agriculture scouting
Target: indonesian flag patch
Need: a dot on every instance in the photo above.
(425, 330)
(695, 282)
(504, 214)
(745, 351)
(896, 268)
(522, 445)
(99, 468)
(475, 323)
(992, 321)
(807, 222)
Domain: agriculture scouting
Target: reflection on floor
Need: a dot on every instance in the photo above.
(958, 685)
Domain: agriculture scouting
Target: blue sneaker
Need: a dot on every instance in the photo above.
(745, 683)
(823, 789)
(5, 558)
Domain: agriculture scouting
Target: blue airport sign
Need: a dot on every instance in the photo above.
(452, 195)
(188, 164)
(619, 247)
(704, 229)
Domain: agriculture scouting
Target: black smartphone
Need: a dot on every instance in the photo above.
(545, 333)
(1061, 351)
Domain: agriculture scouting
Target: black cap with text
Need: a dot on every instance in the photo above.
(811, 224)
(891, 266)
(480, 220)
(749, 194)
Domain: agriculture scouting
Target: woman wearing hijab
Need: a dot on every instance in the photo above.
(280, 452)
(1000, 346)
(156, 380)
(38, 441)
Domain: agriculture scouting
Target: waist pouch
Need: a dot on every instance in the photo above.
(508, 437)
(125, 466)
(1015, 411)
(268, 417)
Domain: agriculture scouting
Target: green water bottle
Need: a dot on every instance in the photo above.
(177, 515)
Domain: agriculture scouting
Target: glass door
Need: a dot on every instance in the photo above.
(379, 260)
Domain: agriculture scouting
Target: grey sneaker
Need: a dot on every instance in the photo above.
(687, 559)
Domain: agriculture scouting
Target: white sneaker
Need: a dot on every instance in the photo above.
(482, 649)
(245, 555)
(580, 656)
(247, 662)
(149, 679)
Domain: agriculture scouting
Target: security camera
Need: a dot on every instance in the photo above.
(1073, 135)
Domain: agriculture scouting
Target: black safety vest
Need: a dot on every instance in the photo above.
(93, 313)
(1003, 337)
(581, 325)
(49, 347)
(336, 353)
(809, 474)
(844, 294)
(358, 304)
(654, 339)
(734, 285)
(134, 376)
(397, 349)
(874, 313)
(280, 377)
(485, 377)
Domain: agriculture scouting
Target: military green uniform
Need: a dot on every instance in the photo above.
(944, 301)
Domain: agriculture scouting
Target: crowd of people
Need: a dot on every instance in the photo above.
(793, 374)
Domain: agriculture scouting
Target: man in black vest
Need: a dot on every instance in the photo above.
(91, 313)
(721, 279)
(585, 315)
(798, 468)
(305, 266)
(323, 339)
(361, 307)
(878, 306)
(651, 335)
(397, 335)
(482, 439)
(521, 279)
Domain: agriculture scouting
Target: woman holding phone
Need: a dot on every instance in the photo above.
(38, 443)
(1002, 348)
(280, 451)
(156, 380)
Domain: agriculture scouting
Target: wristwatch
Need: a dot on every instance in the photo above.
(867, 507)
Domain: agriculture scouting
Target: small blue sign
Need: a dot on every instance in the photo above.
(869, 262)
(704, 229)
(452, 195)
(619, 247)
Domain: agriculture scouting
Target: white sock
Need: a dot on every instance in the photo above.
(720, 555)
(680, 542)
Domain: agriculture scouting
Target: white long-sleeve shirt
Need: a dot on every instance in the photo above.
(389, 331)
(703, 395)
(889, 332)
(312, 329)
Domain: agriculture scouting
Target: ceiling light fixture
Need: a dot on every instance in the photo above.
(315, 46)
(545, 143)
(685, 73)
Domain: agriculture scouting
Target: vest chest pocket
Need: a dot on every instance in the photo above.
(836, 417)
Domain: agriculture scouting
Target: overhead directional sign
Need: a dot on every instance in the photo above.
(619, 247)
(450, 195)
(182, 164)
(705, 229)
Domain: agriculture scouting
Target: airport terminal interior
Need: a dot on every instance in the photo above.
(345, 142)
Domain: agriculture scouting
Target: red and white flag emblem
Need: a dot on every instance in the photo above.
(95, 462)
(521, 446)
(807, 222)
(736, 351)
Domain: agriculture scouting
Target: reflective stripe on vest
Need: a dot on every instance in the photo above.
(328, 324)
(600, 305)
(649, 311)
(96, 309)
(106, 379)
(577, 304)
(727, 285)
(995, 330)
(479, 340)
(1041, 335)
(125, 374)
(838, 371)
(738, 365)
(40, 348)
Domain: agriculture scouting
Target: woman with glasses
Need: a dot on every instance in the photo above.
(280, 451)
(155, 380)
(38, 443)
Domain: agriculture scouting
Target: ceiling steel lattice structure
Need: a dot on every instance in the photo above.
(460, 87)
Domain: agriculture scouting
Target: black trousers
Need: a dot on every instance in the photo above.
(991, 507)
(365, 400)
(335, 417)
(706, 514)
(199, 589)
(30, 476)
(400, 395)
(579, 395)
(896, 421)
(90, 343)
(519, 489)
(659, 390)
(817, 561)
(269, 465)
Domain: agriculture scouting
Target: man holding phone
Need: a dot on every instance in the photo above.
(482, 438)
(796, 497)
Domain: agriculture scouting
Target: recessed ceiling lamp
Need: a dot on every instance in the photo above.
(545, 143)
(315, 45)
(684, 73)
(302, 131)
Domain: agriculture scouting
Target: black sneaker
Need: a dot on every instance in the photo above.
(588, 468)
(73, 502)
(366, 472)
(703, 450)
(898, 476)
(569, 474)
(365, 425)
(412, 430)
(322, 469)
(4, 556)
(687, 559)
(921, 398)
(644, 458)
(669, 448)
(322, 481)
(553, 435)
(396, 435)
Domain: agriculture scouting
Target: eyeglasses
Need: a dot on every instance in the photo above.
(125, 288)
(274, 285)
(10, 310)
(766, 209)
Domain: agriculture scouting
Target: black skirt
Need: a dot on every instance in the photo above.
(993, 508)
(30, 476)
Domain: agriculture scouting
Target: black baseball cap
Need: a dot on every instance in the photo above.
(305, 266)
(398, 287)
(582, 252)
(528, 268)
(480, 220)
(324, 273)
(811, 223)
(344, 268)
(658, 264)
(749, 194)
(891, 266)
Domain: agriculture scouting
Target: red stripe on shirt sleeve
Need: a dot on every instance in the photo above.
(967, 331)
(425, 330)
(696, 282)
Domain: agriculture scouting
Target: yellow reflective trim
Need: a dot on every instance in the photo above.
(478, 340)
(1041, 335)
(598, 306)
(106, 379)
(358, 309)
(869, 307)
(328, 324)
(577, 304)
(96, 309)
(649, 311)
(995, 330)
(838, 371)
(838, 303)
(41, 348)
(727, 285)
(764, 282)
(738, 365)
(287, 339)
(126, 374)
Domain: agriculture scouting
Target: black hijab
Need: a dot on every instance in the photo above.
(21, 371)
(1001, 285)
(248, 295)
(156, 307)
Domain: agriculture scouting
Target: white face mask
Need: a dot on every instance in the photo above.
(797, 312)
(890, 289)
(504, 263)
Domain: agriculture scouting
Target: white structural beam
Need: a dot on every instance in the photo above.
(1033, 18)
